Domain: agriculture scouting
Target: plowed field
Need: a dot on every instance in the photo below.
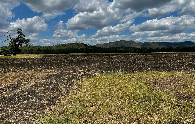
(29, 86)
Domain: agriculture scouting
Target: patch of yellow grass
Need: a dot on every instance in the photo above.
(23, 56)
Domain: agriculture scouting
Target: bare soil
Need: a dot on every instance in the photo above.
(29, 86)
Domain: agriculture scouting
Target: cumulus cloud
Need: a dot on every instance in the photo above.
(170, 25)
(174, 38)
(66, 36)
(174, 5)
(45, 42)
(60, 25)
(62, 36)
(139, 5)
(189, 8)
(162, 37)
(90, 5)
(95, 17)
(110, 30)
(5, 13)
(29, 25)
(166, 9)
(9, 4)
(50, 5)
(110, 18)
(165, 29)
(52, 15)
(33, 36)
(129, 16)
(107, 39)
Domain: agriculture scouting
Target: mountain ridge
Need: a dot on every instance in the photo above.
(124, 43)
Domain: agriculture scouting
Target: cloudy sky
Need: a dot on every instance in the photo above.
(50, 22)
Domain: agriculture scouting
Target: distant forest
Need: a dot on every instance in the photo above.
(112, 47)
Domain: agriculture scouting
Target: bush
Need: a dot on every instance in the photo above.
(5, 51)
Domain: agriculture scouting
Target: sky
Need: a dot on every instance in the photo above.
(51, 22)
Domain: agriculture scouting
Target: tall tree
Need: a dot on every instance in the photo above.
(16, 43)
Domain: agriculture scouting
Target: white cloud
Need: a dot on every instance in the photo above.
(62, 35)
(50, 5)
(110, 30)
(186, 7)
(174, 5)
(45, 42)
(129, 16)
(174, 38)
(90, 5)
(52, 15)
(9, 4)
(139, 5)
(110, 18)
(170, 29)
(172, 25)
(154, 36)
(97, 19)
(66, 35)
(107, 39)
(100, 16)
(192, 36)
(60, 25)
(33, 36)
(5, 13)
(50, 8)
(189, 8)
(29, 25)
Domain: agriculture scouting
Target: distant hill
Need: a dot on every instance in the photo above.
(123, 43)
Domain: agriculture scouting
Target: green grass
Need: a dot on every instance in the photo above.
(23, 56)
(142, 97)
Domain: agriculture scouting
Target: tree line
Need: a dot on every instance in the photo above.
(93, 49)
(21, 45)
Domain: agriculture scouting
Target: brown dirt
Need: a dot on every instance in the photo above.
(30, 86)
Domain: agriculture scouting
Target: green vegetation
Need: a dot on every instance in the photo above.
(15, 44)
(112, 47)
(83, 48)
(124, 43)
(5, 51)
(142, 97)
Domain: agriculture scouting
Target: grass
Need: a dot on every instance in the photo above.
(142, 97)
(23, 56)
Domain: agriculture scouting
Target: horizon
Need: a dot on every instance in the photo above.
(48, 23)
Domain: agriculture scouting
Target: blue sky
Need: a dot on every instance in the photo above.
(50, 22)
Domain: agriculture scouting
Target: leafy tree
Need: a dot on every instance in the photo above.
(16, 43)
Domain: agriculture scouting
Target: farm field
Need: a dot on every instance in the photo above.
(33, 86)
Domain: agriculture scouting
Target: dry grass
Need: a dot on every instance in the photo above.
(29, 90)
(23, 56)
(13, 77)
(144, 97)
